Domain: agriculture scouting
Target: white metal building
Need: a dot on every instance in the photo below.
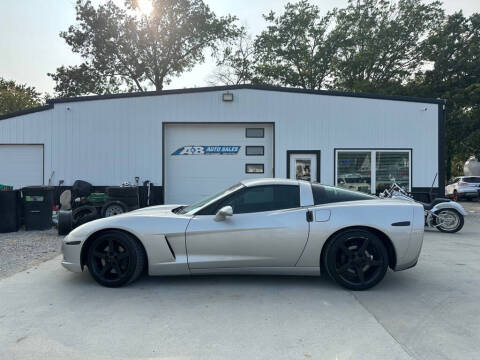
(195, 142)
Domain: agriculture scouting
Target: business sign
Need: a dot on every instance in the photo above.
(207, 150)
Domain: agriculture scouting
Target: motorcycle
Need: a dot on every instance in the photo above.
(442, 214)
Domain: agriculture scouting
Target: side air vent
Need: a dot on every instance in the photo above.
(401, 223)
(170, 247)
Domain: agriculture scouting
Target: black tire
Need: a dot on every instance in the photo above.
(83, 214)
(112, 208)
(65, 222)
(122, 192)
(454, 228)
(115, 259)
(356, 259)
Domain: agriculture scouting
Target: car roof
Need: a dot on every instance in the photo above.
(271, 181)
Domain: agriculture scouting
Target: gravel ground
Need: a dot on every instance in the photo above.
(24, 249)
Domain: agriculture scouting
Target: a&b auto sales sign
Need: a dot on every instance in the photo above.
(207, 150)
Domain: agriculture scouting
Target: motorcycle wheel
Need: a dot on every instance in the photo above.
(449, 221)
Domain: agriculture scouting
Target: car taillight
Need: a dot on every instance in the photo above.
(463, 184)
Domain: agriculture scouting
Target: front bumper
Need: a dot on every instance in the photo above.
(71, 250)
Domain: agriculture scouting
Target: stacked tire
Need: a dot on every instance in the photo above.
(119, 200)
(70, 219)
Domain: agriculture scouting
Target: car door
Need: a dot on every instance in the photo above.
(268, 229)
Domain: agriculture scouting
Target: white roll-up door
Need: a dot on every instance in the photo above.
(203, 159)
(21, 165)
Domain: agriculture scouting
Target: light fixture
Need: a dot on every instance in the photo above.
(227, 96)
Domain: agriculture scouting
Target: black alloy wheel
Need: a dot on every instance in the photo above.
(115, 259)
(356, 259)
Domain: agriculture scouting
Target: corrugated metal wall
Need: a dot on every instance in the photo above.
(111, 141)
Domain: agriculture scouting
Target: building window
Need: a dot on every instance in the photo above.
(255, 133)
(254, 150)
(392, 166)
(354, 170)
(254, 168)
(371, 171)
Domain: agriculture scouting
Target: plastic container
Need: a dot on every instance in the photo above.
(37, 207)
(9, 211)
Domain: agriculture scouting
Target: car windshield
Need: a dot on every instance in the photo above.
(193, 207)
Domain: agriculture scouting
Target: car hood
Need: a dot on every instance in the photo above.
(151, 220)
(159, 209)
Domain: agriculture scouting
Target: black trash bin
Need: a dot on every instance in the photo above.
(37, 207)
(9, 211)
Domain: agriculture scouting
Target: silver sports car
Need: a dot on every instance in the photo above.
(262, 226)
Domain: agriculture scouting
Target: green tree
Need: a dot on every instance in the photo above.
(453, 54)
(83, 79)
(124, 49)
(296, 49)
(15, 97)
(380, 43)
(235, 62)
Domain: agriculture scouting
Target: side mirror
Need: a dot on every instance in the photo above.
(223, 213)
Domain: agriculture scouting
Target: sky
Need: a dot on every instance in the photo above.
(30, 45)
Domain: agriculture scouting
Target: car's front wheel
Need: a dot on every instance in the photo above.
(115, 258)
(356, 259)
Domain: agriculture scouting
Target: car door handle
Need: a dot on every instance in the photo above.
(309, 216)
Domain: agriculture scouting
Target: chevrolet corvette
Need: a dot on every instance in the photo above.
(260, 226)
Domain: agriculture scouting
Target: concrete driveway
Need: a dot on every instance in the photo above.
(429, 312)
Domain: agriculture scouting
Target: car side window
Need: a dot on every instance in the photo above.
(472, 179)
(329, 194)
(258, 199)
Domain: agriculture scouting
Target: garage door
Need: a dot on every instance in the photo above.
(21, 165)
(202, 159)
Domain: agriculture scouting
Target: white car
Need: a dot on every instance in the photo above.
(463, 187)
(261, 226)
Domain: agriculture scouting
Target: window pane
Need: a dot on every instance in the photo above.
(255, 133)
(254, 168)
(263, 198)
(354, 170)
(254, 150)
(328, 194)
(474, 179)
(392, 166)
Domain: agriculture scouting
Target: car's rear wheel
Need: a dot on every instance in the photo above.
(115, 259)
(449, 221)
(356, 259)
